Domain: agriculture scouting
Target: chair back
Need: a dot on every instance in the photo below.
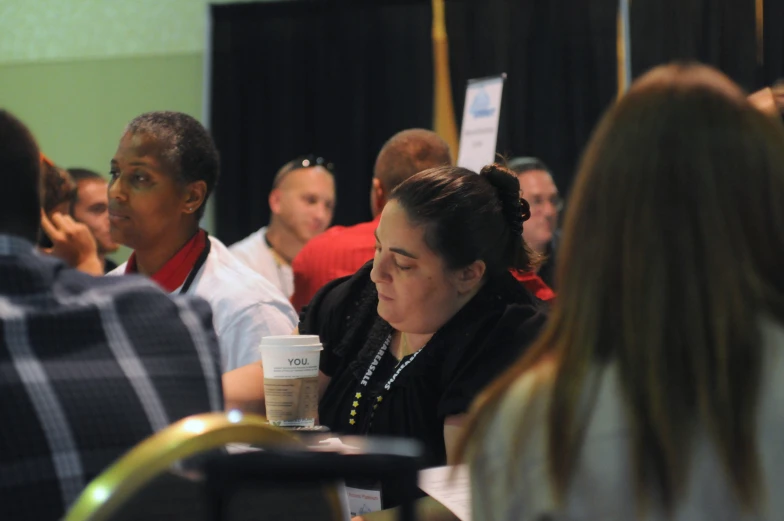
(235, 481)
(151, 460)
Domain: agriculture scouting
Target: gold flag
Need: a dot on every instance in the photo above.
(621, 51)
(443, 108)
(760, 22)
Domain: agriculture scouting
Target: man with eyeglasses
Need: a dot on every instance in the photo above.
(541, 230)
(301, 203)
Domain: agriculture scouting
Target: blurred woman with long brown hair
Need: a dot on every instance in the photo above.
(655, 391)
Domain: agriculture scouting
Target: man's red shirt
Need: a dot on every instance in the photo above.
(339, 251)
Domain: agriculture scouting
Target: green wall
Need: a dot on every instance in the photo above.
(78, 109)
(76, 71)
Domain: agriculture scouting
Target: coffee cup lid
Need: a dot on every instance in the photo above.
(291, 340)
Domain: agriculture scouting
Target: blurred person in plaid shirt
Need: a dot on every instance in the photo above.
(89, 366)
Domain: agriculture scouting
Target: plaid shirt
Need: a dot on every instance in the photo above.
(89, 367)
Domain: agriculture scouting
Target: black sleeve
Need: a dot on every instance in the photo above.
(504, 341)
(322, 317)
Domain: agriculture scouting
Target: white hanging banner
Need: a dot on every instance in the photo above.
(479, 132)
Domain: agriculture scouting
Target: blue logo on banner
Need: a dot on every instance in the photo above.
(480, 107)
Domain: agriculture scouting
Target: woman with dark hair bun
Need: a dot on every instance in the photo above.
(415, 334)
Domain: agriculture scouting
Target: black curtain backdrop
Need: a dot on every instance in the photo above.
(337, 78)
(721, 33)
(328, 78)
(773, 67)
(560, 60)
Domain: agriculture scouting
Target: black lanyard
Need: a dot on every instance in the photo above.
(197, 266)
(387, 386)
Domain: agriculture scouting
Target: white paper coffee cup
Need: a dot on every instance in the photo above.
(291, 367)
(290, 356)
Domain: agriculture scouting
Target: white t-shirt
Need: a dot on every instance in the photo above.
(255, 253)
(602, 484)
(245, 306)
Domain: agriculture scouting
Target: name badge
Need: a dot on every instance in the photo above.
(363, 501)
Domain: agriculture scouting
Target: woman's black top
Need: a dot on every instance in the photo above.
(414, 398)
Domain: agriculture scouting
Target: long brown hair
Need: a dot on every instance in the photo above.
(671, 252)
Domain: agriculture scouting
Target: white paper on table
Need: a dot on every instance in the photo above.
(481, 114)
(328, 445)
(241, 448)
(452, 491)
(335, 445)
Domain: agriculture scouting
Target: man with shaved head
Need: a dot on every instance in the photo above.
(341, 250)
(301, 203)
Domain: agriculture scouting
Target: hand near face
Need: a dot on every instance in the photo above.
(73, 243)
(765, 101)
